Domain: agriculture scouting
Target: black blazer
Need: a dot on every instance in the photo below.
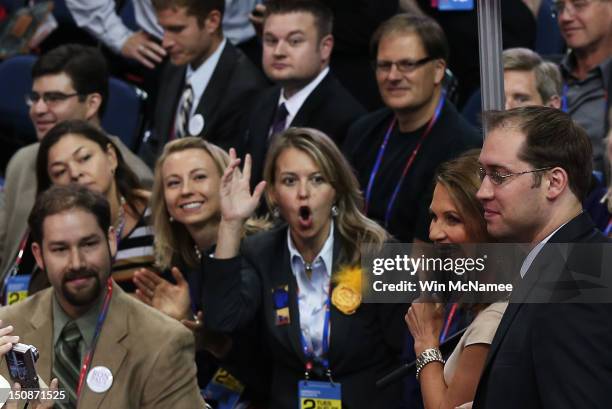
(363, 346)
(552, 355)
(329, 108)
(224, 105)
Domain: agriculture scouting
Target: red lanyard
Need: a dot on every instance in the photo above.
(101, 318)
(449, 320)
(409, 162)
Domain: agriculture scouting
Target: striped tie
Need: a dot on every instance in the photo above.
(67, 362)
(182, 119)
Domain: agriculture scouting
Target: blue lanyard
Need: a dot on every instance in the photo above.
(409, 162)
(608, 229)
(309, 353)
(564, 104)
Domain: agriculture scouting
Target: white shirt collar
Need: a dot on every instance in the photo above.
(200, 77)
(295, 102)
(326, 254)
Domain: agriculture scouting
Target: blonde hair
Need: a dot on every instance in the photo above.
(353, 226)
(173, 243)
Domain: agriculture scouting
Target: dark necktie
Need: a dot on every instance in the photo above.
(182, 118)
(67, 363)
(280, 118)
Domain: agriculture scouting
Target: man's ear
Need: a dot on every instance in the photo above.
(440, 71)
(326, 45)
(554, 102)
(93, 103)
(213, 21)
(557, 180)
(37, 251)
(112, 241)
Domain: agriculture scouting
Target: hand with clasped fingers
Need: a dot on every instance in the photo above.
(425, 321)
(237, 205)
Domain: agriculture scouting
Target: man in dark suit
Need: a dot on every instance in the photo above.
(297, 44)
(207, 88)
(536, 168)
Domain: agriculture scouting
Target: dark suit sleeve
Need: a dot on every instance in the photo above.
(231, 293)
(571, 355)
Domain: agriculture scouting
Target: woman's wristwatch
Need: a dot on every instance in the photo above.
(426, 357)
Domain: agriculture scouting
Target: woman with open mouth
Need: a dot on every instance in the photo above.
(300, 282)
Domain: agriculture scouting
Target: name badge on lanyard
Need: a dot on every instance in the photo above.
(223, 389)
(319, 395)
(17, 288)
(455, 5)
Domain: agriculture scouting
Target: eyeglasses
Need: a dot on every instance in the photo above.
(497, 178)
(50, 98)
(572, 6)
(403, 66)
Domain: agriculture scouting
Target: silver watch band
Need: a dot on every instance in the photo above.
(427, 356)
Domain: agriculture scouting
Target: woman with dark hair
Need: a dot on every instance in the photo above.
(299, 282)
(78, 152)
(457, 217)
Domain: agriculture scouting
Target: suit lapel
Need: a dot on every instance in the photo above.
(282, 275)
(545, 267)
(109, 353)
(313, 102)
(340, 324)
(41, 335)
(175, 83)
(209, 102)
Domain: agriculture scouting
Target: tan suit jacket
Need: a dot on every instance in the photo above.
(20, 194)
(150, 355)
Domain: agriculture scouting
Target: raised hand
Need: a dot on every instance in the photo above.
(237, 202)
(171, 299)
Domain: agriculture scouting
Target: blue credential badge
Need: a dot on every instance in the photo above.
(17, 288)
(455, 5)
(319, 395)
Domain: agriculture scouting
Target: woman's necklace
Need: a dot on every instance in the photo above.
(198, 253)
(121, 220)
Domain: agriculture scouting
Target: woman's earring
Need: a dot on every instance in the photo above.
(334, 211)
(171, 219)
(275, 212)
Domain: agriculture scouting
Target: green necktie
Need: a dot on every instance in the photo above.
(67, 363)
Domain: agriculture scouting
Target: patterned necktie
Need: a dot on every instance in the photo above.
(67, 363)
(280, 118)
(182, 119)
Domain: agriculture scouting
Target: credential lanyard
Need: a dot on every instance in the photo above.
(15, 267)
(608, 229)
(409, 162)
(309, 353)
(101, 318)
(448, 323)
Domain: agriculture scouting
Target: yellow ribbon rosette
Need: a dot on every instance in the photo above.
(346, 295)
